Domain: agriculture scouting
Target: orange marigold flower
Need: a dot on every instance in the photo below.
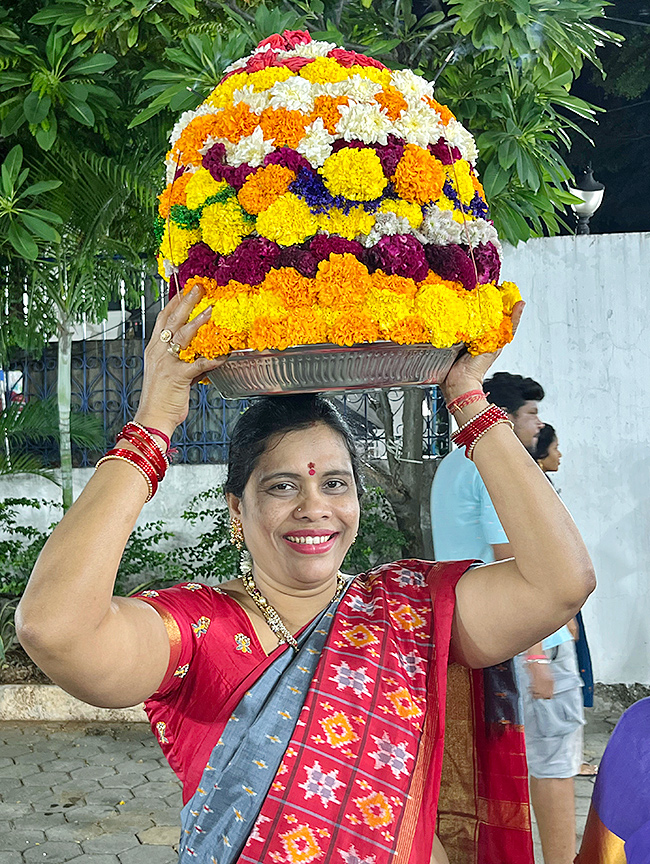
(173, 194)
(445, 114)
(392, 101)
(352, 328)
(493, 339)
(419, 176)
(287, 128)
(213, 342)
(193, 137)
(268, 332)
(342, 282)
(327, 108)
(264, 187)
(305, 327)
(398, 284)
(212, 291)
(409, 331)
(236, 122)
(291, 287)
(476, 183)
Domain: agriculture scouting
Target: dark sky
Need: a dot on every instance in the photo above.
(621, 156)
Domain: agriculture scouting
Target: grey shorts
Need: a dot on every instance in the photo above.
(554, 727)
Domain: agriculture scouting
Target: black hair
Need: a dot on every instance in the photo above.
(545, 438)
(512, 391)
(270, 416)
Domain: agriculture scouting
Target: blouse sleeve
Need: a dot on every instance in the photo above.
(187, 611)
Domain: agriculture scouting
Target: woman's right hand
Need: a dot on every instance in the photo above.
(165, 398)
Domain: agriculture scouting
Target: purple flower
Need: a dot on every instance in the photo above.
(249, 263)
(452, 263)
(215, 158)
(288, 157)
(390, 154)
(488, 263)
(324, 245)
(398, 255)
(304, 261)
(478, 207)
(201, 261)
(215, 162)
(180, 170)
(451, 193)
(341, 144)
(309, 186)
(445, 152)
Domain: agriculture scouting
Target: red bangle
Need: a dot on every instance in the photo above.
(474, 429)
(160, 434)
(153, 454)
(139, 462)
(465, 399)
(146, 434)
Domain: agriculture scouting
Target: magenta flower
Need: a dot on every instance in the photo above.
(398, 255)
(445, 152)
(323, 245)
(249, 263)
(452, 263)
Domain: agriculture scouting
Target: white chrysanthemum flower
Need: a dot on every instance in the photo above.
(237, 64)
(168, 269)
(386, 224)
(294, 94)
(257, 102)
(419, 126)
(412, 87)
(251, 149)
(186, 118)
(368, 123)
(459, 137)
(439, 227)
(360, 89)
(316, 146)
(310, 50)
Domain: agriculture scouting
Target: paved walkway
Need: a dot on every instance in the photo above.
(103, 793)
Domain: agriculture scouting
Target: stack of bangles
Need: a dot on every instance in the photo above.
(471, 432)
(148, 458)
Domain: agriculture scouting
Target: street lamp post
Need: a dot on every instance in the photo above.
(591, 192)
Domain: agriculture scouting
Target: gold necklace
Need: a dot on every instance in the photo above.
(270, 613)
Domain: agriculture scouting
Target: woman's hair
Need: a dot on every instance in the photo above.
(271, 416)
(544, 440)
(510, 391)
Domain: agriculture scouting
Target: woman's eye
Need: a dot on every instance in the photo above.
(335, 484)
(282, 487)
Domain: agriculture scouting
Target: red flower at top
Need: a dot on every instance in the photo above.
(352, 58)
(288, 40)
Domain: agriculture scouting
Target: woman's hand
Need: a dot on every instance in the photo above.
(468, 371)
(167, 380)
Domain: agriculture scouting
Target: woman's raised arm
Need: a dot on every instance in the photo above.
(109, 651)
(505, 607)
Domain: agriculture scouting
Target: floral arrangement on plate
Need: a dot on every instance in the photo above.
(320, 197)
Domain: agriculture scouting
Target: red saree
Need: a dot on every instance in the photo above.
(360, 779)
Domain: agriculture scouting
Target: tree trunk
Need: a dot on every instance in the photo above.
(64, 394)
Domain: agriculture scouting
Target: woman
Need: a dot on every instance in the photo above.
(547, 450)
(317, 702)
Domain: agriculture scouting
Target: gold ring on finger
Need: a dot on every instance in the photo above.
(166, 335)
(174, 348)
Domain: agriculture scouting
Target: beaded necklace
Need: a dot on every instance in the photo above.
(270, 613)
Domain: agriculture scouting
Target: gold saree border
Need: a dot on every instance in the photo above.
(599, 844)
(173, 634)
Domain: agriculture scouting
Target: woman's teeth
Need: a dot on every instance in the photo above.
(315, 540)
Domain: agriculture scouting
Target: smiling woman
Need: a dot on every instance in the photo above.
(305, 710)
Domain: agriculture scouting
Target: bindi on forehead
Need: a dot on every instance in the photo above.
(312, 468)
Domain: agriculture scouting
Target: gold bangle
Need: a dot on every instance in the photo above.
(137, 467)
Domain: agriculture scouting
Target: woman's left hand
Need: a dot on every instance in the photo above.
(469, 370)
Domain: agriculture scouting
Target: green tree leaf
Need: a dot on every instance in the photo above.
(36, 107)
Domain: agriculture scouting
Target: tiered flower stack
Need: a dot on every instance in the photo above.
(319, 197)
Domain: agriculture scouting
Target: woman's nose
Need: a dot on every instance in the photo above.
(313, 505)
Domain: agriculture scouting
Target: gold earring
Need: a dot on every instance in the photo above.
(236, 533)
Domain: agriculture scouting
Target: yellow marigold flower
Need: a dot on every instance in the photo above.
(379, 76)
(286, 128)
(387, 309)
(324, 70)
(264, 187)
(234, 312)
(176, 242)
(509, 296)
(222, 93)
(353, 328)
(347, 225)
(201, 185)
(445, 311)
(486, 310)
(355, 174)
(461, 178)
(342, 282)
(419, 176)
(263, 302)
(412, 212)
(266, 78)
(223, 226)
(174, 194)
(287, 220)
(291, 287)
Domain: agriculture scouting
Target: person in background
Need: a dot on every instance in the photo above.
(465, 525)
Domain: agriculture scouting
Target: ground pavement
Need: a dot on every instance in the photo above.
(103, 793)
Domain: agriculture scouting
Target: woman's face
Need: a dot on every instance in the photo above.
(300, 510)
(551, 462)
